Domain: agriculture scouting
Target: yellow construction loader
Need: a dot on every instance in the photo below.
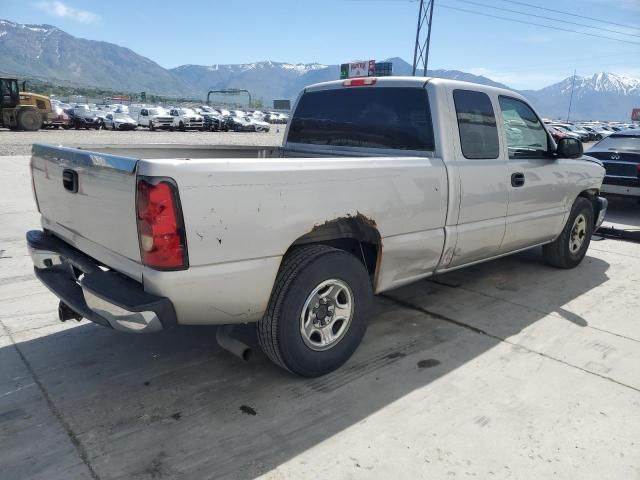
(22, 110)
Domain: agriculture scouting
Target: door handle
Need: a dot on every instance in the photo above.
(517, 179)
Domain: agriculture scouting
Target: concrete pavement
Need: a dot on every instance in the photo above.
(509, 369)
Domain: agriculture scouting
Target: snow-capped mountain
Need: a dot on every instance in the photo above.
(46, 52)
(299, 68)
(602, 96)
(598, 82)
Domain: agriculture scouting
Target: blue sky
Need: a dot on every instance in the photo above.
(173, 33)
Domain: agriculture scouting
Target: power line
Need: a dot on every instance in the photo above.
(519, 12)
(530, 5)
(536, 24)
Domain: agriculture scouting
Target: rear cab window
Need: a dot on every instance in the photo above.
(395, 118)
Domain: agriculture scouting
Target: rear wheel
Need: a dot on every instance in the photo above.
(318, 311)
(29, 120)
(568, 250)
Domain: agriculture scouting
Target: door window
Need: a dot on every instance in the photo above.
(526, 136)
(476, 124)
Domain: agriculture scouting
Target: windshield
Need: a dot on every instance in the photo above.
(121, 116)
(157, 111)
(619, 142)
(186, 111)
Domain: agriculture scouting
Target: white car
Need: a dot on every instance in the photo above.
(259, 125)
(186, 119)
(298, 238)
(119, 121)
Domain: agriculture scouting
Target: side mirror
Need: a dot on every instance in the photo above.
(569, 148)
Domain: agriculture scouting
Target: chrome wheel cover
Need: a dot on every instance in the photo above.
(578, 234)
(326, 315)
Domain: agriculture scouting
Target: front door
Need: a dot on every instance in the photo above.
(538, 184)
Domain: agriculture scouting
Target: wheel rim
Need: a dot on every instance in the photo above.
(326, 315)
(578, 233)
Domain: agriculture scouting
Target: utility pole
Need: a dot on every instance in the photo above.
(573, 84)
(423, 37)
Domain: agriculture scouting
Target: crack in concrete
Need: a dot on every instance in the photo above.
(82, 453)
(480, 331)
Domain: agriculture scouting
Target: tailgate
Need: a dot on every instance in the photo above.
(88, 199)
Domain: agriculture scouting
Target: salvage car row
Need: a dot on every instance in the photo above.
(202, 118)
(585, 131)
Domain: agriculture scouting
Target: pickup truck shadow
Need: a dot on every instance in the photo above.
(174, 405)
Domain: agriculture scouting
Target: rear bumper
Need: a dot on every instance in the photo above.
(623, 190)
(104, 297)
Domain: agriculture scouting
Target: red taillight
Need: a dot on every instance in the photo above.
(160, 226)
(359, 82)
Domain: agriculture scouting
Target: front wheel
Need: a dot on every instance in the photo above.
(568, 250)
(318, 311)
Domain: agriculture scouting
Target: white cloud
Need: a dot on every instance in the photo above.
(59, 9)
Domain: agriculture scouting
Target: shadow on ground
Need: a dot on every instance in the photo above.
(174, 405)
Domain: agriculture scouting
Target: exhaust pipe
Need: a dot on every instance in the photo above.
(232, 345)
(65, 312)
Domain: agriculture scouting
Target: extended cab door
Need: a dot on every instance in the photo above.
(538, 185)
(483, 178)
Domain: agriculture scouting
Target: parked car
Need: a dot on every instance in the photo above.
(620, 155)
(240, 124)
(59, 118)
(583, 134)
(83, 117)
(119, 121)
(259, 125)
(298, 238)
(212, 119)
(186, 119)
(558, 133)
(593, 134)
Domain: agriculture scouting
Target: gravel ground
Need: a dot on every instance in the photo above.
(19, 143)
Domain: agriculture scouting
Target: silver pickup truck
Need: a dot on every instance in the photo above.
(379, 183)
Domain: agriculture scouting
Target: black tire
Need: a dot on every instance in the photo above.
(279, 332)
(181, 127)
(29, 120)
(151, 127)
(559, 253)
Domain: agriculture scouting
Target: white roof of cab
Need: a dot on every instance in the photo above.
(417, 82)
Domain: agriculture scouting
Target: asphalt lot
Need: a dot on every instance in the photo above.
(506, 370)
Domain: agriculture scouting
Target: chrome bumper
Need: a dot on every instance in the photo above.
(101, 296)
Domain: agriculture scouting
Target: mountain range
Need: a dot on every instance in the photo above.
(46, 52)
